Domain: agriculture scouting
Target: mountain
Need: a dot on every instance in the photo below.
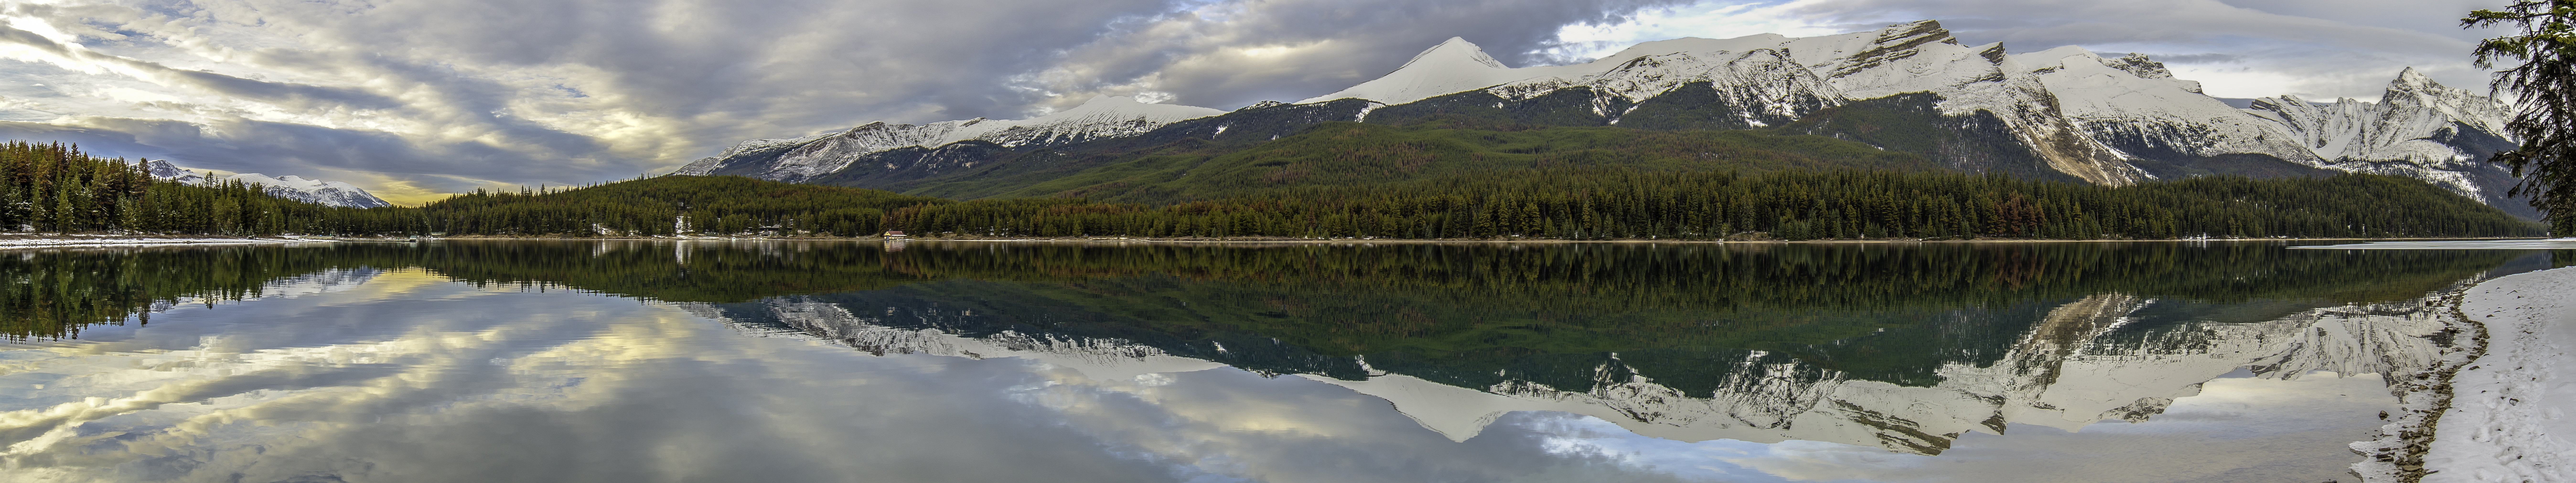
(2419, 129)
(331, 193)
(801, 159)
(2065, 113)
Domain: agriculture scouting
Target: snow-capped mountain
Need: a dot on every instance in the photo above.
(800, 159)
(2063, 113)
(2109, 120)
(331, 193)
(2419, 129)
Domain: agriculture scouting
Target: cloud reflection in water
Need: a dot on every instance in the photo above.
(412, 379)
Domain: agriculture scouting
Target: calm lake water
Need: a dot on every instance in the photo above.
(643, 361)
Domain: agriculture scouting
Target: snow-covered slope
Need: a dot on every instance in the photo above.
(800, 159)
(2419, 129)
(2133, 105)
(1453, 66)
(332, 193)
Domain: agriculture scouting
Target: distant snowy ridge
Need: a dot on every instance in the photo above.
(1769, 79)
(329, 193)
(807, 157)
(2092, 117)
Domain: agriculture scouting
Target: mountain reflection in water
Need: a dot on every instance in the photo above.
(1919, 349)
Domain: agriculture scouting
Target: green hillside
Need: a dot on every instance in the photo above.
(1603, 203)
(1355, 154)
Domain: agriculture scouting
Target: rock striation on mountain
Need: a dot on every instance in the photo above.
(2063, 113)
(328, 193)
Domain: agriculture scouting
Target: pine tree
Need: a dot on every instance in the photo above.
(2545, 88)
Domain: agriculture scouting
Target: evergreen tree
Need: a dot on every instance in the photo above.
(2544, 40)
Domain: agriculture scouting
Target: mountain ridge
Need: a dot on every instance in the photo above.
(292, 187)
(2061, 113)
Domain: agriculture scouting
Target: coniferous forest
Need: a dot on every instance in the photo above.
(57, 188)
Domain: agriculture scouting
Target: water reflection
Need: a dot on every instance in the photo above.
(1146, 363)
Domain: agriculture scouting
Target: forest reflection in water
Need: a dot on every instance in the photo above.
(1927, 350)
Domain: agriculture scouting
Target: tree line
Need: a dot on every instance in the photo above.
(57, 188)
(1601, 204)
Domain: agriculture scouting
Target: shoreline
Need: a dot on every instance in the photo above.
(48, 240)
(2504, 415)
(9, 242)
(1276, 240)
(2470, 417)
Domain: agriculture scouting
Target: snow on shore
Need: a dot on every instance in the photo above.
(2509, 409)
(2530, 244)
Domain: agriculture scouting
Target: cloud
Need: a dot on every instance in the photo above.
(2209, 58)
(2313, 48)
(422, 97)
(450, 95)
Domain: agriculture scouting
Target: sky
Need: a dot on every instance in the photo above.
(417, 99)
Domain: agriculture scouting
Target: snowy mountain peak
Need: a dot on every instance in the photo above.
(2419, 129)
(2410, 77)
(1453, 66)
(299, 188)
(1456, 51)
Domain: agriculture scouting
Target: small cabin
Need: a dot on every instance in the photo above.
(894, 234)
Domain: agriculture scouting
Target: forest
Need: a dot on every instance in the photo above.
(1609, 204)
(56, 189)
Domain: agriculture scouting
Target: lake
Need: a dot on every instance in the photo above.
(991, 361)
